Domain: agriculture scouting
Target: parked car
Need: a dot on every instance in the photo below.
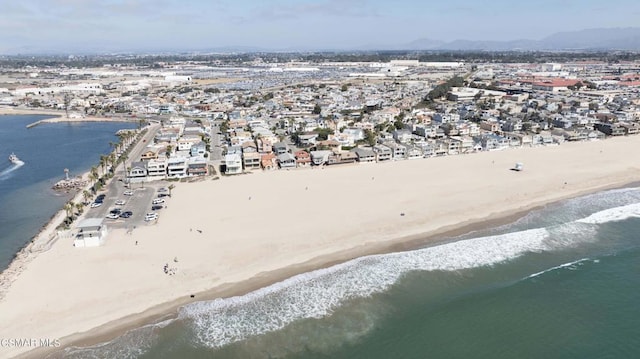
(157, 201)
(113, 216)
(126, 214)
(128, 193)
(95, 204)
(150, 217)
(156, 207)
(120, 202)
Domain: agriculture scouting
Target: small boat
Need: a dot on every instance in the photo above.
(14, 159)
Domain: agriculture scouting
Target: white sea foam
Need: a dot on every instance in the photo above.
(316, 294)
(613, 214)
(131, 345)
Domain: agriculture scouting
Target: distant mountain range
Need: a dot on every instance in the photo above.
(590, 39)
(627, 39)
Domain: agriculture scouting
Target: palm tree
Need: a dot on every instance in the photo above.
(120, 144)
(171, 186)
(103, 163)
(86, 195)
(112, 161)
(79, 207)
(123, 159)
(68, 208)
(93, 177)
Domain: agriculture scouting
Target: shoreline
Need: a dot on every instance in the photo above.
(59, 116)
(332, 250)
(48, 234)
(169, 310)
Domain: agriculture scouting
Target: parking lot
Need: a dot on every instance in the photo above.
(139, 202)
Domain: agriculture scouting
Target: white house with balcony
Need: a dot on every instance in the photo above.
(157, 168)
(177, 166)
(233, 163)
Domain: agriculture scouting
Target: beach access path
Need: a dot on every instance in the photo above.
(238, 233)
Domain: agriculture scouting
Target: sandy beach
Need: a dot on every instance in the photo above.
(59, 116)
(243, 232)
(12, 110)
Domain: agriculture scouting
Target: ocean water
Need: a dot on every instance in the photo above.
(26, 199)
(561, 282)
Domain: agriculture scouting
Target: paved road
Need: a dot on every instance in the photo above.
(217, 139)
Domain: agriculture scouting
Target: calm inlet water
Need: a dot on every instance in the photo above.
(561, 282)
(26, 199)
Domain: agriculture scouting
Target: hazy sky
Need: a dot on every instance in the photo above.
(72, 25)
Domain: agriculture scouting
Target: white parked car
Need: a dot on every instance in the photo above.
(157, 201)
(96, 204)
(128, 193)
(150, 217)
(112, 216)
(120, 202)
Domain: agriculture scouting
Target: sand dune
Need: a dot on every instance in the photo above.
(258, 225)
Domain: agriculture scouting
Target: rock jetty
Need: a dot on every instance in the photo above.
(70, 184)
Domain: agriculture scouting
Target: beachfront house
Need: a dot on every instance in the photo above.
(156, 168)
(543, 138)
(177, 166)
(197, 167)
(342, 157)
(233, 163)
(383, 153)
(364, 155)
(251, 160)
(414, 152)
(286, 160)
(610, 129)
(137, 171)
(91, 233)
(491, 142)
(398, 151)
(631, 128)
(303, 159)
(268, 161)
(319, 158)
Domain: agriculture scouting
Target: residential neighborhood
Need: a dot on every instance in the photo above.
(230, 118)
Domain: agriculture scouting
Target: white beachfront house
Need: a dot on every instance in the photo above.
(91, 233)
(233, 163)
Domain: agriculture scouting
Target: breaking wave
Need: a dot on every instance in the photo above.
(571, 266)
(317, 294)
(613, 214)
